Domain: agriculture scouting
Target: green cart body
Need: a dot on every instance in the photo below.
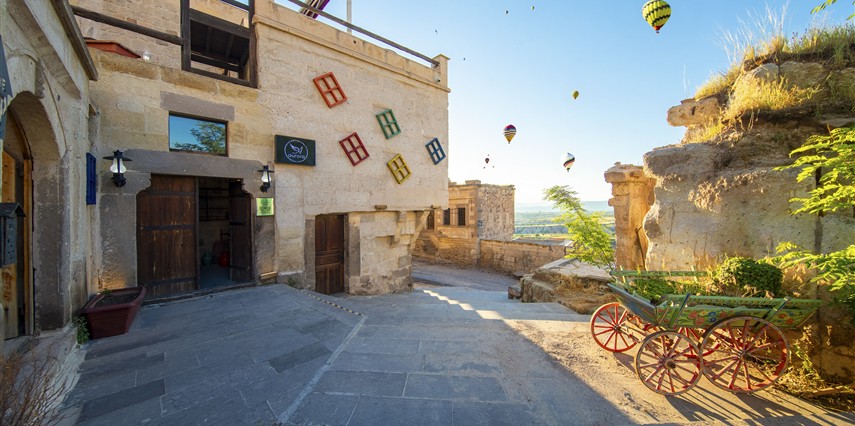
(736, 342)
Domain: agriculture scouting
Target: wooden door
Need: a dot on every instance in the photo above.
(166, 236)
(240, 220)
(329, 254)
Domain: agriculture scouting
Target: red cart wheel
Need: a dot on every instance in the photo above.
(747, 354)
(667, 362)
(696, 335)
(610, 327)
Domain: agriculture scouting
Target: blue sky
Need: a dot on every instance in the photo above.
(514, 65)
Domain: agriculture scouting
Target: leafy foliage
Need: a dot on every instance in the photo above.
(743, 277)
(827, 3)
(592, 243)
(82, 329)
(830, 160)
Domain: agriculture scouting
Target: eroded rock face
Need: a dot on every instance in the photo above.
(725, 198)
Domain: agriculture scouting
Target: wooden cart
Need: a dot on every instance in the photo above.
(736, 343)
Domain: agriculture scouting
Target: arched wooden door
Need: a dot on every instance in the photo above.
(166, 236)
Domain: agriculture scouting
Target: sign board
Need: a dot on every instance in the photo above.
(291, 150)
(264, 206)
(5, 90)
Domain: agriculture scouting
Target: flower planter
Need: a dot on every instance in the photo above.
(113, 313)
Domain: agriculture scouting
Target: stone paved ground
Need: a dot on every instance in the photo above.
(440, 355)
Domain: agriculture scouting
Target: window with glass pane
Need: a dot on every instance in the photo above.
(461, 216)
(446, 217)
(196, 135)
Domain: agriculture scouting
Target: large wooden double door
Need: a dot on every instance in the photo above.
(167, 241)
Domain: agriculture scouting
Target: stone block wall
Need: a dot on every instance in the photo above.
(495, 205)
(516, 257)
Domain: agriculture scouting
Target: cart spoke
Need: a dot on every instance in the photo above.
(723, 369)
(735, 374)
(747, 376)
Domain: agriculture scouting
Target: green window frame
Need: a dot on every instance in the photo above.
(388, 123)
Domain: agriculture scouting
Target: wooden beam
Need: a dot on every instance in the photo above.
(125, 25)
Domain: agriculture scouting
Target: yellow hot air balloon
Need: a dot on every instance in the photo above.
(575, 94)
(656, 13)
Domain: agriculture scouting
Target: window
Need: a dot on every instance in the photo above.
(435, 151)
(354, 148)
(196, 135)
(399, 169)
(446, 217)
(430, 220)
(461, 216)
(388, 123)
(219, 46)
(330, 90)
(91, 180)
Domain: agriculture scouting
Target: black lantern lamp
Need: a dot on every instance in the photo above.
(265, 178)
(118, 167)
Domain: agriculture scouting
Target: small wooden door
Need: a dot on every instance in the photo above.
(240, 220)
(329, 254)
(166, 236)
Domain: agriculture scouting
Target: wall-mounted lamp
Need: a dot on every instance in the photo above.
(118, 167)
(265, 178)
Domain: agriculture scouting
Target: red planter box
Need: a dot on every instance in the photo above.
(107, 318)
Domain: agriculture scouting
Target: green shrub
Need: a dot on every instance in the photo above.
(743, 277)
(82, 329)
(653, 288)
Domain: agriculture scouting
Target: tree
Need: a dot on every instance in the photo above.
(830, 162)
(592, 243)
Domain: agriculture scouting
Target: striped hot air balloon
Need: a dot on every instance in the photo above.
(656, 13)
(569, 159)
(510, 131)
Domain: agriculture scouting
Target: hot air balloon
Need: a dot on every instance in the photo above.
(510, 131)
(569, 159)
(656, 13)
(575, 94)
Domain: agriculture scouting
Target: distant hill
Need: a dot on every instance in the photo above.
(591, 206)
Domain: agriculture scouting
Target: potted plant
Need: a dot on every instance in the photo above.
(111, 312)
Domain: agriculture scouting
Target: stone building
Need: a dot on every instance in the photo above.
(45, 107)
(477, 229)
(211, 92)
(200, 97)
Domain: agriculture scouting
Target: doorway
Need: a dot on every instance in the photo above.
(193, 234)
(329, 254)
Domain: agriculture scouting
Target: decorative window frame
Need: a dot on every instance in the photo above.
(388, 123)
(400, 171)
(331, 91)
(434, 149)
(354, 148)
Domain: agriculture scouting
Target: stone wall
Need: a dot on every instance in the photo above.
(517, 258)
(495, 207)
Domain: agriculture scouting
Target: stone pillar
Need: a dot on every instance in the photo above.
(632, 196)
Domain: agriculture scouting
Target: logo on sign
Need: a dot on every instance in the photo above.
(296, 151)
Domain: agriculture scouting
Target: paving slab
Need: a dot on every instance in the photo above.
(441, 355)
